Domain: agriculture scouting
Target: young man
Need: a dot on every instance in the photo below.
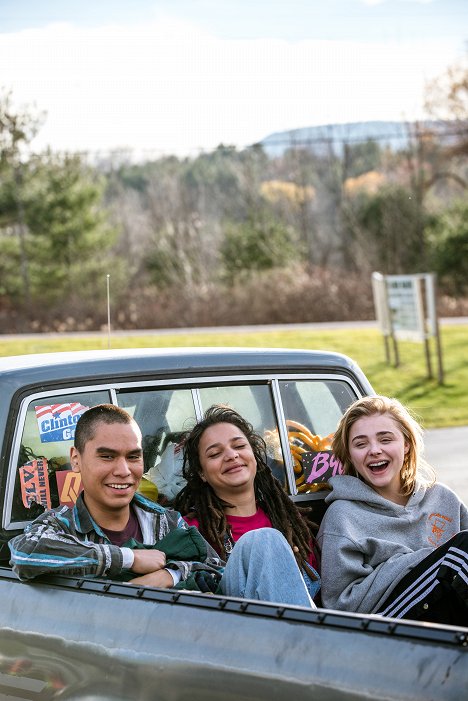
(89, 539)
(99, 536)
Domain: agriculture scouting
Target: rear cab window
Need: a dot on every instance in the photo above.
(296, 415)
(312, 410)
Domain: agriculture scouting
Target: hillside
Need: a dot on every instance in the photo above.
(321, 138)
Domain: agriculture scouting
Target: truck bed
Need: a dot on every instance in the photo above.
(83, 639)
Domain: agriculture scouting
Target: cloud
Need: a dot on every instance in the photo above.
(171, 86)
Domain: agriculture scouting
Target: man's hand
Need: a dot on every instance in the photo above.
(149, 561)
(161, 578)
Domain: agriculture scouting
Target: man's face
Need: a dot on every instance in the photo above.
(111, 466)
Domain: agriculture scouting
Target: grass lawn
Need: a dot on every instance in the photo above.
(435, 405)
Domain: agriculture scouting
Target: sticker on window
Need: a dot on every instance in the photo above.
(320, 465)
(69, 486)
(34, 480)
(57, 422)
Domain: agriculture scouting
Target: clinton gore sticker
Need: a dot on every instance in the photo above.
(56, 422)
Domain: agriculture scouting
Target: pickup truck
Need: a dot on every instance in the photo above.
(83, 638)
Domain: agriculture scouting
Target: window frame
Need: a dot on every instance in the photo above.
(192, 383)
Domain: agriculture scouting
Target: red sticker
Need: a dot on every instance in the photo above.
(34, 480)
(69, 486)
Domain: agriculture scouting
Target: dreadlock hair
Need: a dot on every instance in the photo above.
(199, 497)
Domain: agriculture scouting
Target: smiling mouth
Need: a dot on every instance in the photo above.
(377, 467)
(233, 468)
(119, 486)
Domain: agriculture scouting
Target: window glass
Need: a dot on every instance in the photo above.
(43, 478)
(255, 403)
(163, 416)
(312, 409)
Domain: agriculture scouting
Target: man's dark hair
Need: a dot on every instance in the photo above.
(102, 413)
(199, 497)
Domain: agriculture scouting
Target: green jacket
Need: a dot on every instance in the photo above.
(183, 544)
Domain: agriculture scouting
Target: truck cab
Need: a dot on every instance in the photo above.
(83, 638)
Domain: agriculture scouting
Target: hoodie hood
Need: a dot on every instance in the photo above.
(352, 488)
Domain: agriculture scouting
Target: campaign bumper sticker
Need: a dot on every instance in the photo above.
(57, 422)
(34, 480)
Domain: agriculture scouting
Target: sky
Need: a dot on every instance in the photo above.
(180, 76)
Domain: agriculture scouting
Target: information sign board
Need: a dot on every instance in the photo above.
(406, 307)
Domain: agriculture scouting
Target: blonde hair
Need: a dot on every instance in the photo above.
(414, 465)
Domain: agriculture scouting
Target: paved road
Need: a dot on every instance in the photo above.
(319, 325)
(447, 452)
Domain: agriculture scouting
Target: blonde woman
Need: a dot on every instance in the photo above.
(393, 540)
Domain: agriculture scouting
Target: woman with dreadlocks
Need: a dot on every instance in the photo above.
(231, 494)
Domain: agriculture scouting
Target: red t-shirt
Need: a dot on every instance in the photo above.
(243, 524)
(131, 530)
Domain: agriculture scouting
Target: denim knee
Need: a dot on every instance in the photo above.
(263, 538)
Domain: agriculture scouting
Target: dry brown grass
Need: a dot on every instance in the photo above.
(293, 295)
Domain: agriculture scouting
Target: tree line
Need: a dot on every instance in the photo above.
(230, 236)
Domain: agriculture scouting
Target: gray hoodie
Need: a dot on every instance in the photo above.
(369, 543)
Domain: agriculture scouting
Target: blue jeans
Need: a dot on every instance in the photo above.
(262, 566)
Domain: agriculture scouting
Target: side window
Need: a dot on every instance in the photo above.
(163, 416)
(43, 478)
(312, 409)
(255, 403)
